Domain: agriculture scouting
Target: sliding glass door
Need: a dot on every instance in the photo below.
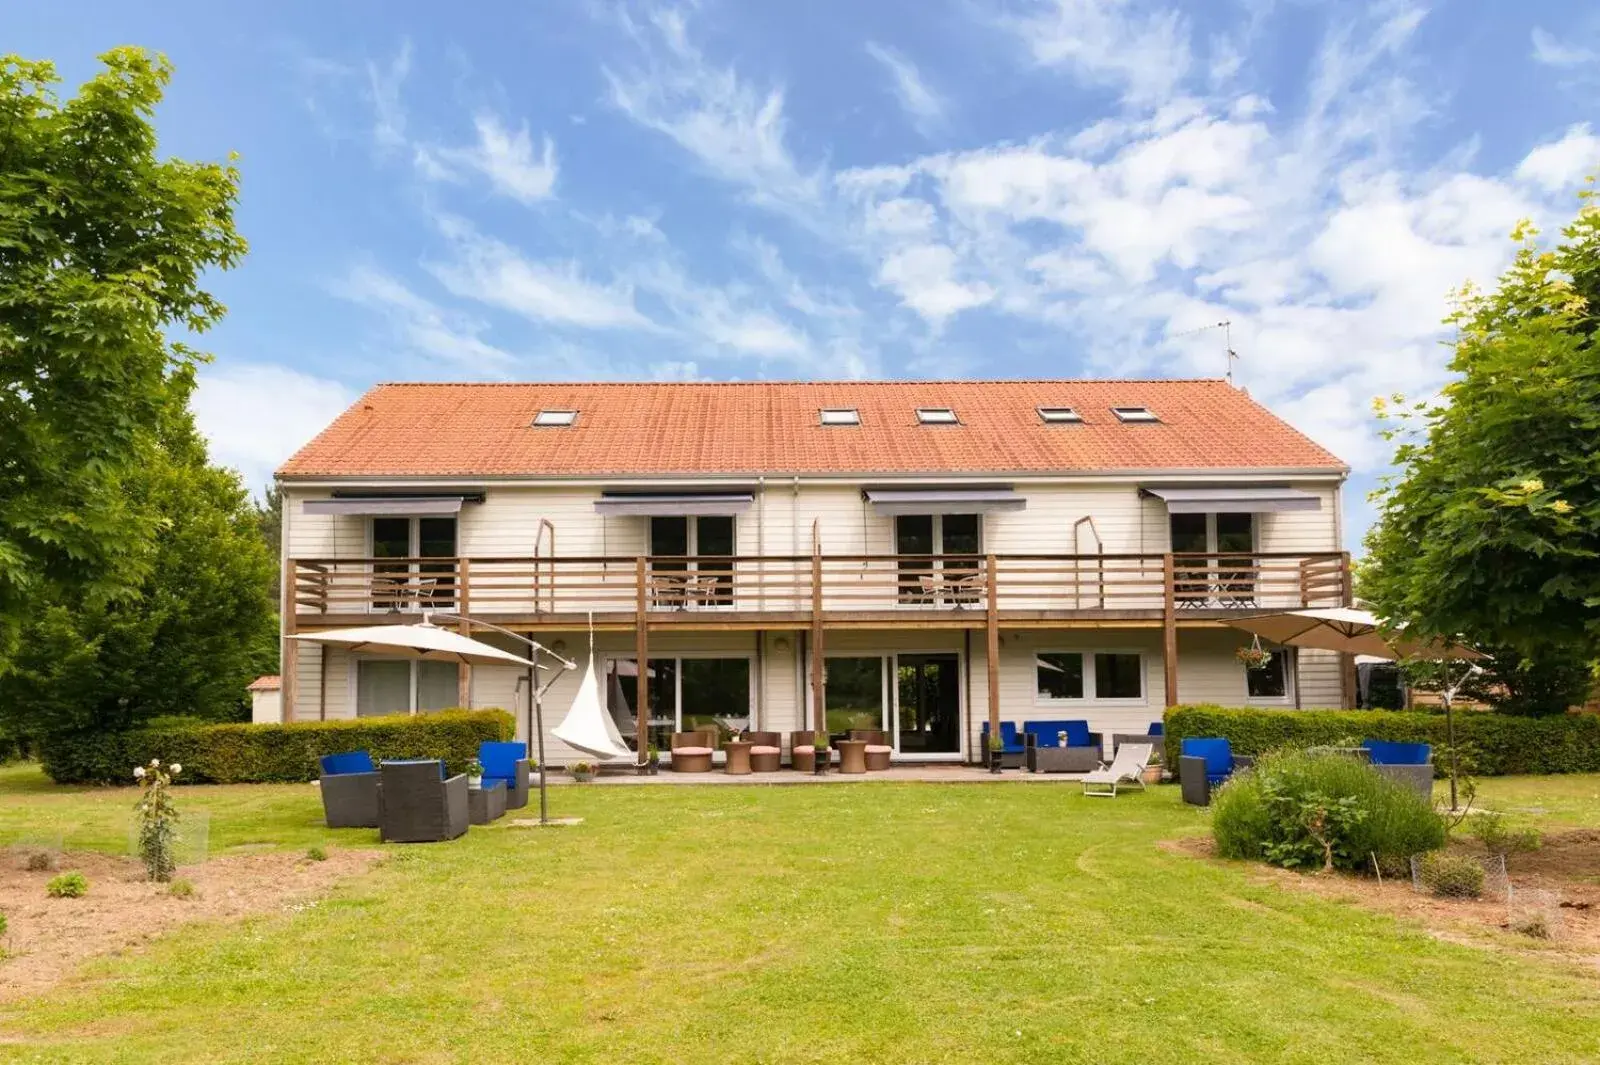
(404, 583)
(914, 697)
(692, 557)
(685, 693)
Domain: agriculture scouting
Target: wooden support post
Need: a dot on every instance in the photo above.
(1348, 685)
(641, 655)
(464, 608)
(992, 648)
(1169, 627)
(819, 699)
(289, 664)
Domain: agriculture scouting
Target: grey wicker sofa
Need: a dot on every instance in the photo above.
(349, 786)
(417, 804)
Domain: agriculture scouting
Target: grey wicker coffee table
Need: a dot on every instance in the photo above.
(1063, 759)
(486, 803)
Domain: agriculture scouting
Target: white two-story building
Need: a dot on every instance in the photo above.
(921, 557)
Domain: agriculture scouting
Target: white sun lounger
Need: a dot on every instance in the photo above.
(1126, 768)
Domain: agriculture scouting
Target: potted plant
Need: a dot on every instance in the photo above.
(474, 773)
(1254, 656)
(1061, 739)
(820, 743)
(997, 750)
(582, 771)
(1152, 769)
(652, 764)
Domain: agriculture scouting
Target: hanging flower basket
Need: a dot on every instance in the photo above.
(1255, 656)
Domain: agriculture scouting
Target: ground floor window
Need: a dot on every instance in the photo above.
(683, 694)
(915, 698)
(1090, 676)
(393, 686)
(1271, 682)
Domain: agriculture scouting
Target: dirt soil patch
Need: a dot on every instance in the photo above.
(47, 939)
(1561, 879)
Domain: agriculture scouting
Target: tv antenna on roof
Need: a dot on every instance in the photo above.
(1227, 342)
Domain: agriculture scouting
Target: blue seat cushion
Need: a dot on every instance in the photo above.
(1157, 728)
(1388, 752)
(334, 765)
(1217, 752)
(500, 759)
(1046, 732)
(1010, 742)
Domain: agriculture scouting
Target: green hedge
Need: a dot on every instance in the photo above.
(1491, 744)
(258, 754)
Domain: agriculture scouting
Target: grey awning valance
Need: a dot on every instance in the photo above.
(365, 505)
(943, 500)
(1238, 500)
(709, 504)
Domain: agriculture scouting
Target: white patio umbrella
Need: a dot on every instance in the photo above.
(1356, 632)
(1346, 630)
(422, 640)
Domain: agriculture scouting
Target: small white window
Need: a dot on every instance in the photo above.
(1135, 414)
(937, 416)
(1059, 415)
(555, 419)
(840, 416)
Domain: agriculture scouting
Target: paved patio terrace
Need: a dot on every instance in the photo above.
(921, 774)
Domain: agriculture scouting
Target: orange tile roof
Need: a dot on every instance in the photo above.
(751, 428)
(270, 683)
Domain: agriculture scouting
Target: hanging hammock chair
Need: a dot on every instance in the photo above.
(588, 726)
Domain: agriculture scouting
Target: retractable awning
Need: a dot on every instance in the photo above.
(943, 500)
(1247, 500)
(366, 505)
(705, 504)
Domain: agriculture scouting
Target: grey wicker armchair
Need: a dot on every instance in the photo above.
(417, 804)
(349, 787)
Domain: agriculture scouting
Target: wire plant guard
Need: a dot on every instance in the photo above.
(588, 726)
(1255, 656)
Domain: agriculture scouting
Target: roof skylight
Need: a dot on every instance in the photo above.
(937, 416)
(1059, 415)
(554, 419)
(839, 416)
(1135, 414)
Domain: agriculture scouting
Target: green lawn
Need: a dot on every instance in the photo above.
(875, 922)
(1552, 802)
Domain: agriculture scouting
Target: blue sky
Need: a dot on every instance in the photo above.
(927, 188)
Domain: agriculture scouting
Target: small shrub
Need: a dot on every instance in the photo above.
(317, 854)
(1452, 876)
(158, 819)
(39, 860)
(1301, 810)
(3, 924)
(181, 889)
(1491, 830)
(1532, 925)
(67, 886)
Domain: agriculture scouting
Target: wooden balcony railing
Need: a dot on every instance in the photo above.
(676, 587)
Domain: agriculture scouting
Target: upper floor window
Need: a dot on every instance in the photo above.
(1059, 415)
(937, 416)
(840, 416)
(555, 419)
(1135, 414)
(1205, 534)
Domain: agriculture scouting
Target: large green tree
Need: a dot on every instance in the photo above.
(1491, 530)
(103, 250)
(199, 627)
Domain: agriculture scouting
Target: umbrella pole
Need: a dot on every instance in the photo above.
(1450, 734)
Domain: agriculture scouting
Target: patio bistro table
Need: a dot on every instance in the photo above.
(486, 803)
(852, 755)
(738, 754)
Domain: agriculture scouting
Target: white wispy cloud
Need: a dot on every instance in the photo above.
(1554, 51)
(734, 129)
(1141, 51)
(384, 82)
(253, 436)
(422, 325)
(505, 157)
(553, 293)
(1562, 165)
(922, 105)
